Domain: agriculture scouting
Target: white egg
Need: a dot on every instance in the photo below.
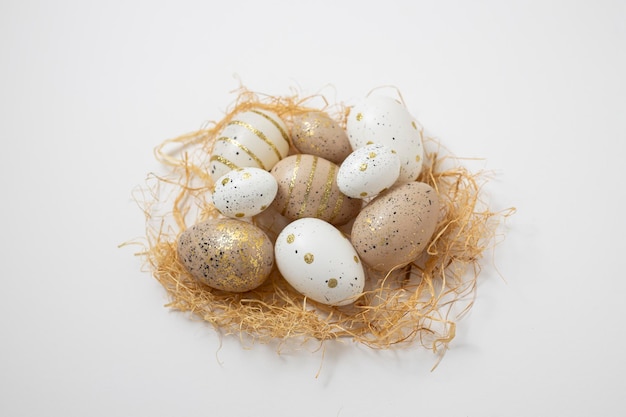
(244, 192)
(319, 262)
(380, 119)
(254, 138)
(368, 171)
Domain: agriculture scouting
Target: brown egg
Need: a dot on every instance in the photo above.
(307, 187)
(395, 227)
(316, 133)
(226, 254)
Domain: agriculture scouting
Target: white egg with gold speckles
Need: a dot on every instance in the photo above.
(380, 119)
(244, 192)
(368, 171)
(319, 262)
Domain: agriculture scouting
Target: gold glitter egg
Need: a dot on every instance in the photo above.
(226, 254)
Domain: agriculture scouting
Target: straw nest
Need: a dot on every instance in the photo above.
(419, 303)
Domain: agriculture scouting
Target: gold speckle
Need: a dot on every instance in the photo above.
(362, 167)
(372, 155)
(414, 125)
(225, 181)
(240, 215)
(263, 207)
(417, 158)
(369, 142)
(356, 259)
(290, 238)
(332, 283)
(308, 258)
(246, 175)
(359, 117)
(393, 151)
(363, 194)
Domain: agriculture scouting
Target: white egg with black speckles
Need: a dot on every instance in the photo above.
(319, 262)
(380, 119)
(244, 192)
(368, 171)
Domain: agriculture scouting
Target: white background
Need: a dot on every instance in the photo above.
(88, 89)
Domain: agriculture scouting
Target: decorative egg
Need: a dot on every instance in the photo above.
(226, 254)
(244, 192)
(379, 119)
(254, 138)
(368, 171)
(307, 187)
(316, 133)
(395, 227)
(319, 262)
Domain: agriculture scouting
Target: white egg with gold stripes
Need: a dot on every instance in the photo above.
(254, 138)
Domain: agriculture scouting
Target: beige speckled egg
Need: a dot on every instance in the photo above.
(307, 187)
(226, 254)
(316, 133)
(395, 227)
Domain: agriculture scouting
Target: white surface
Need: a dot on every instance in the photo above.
(88, 89)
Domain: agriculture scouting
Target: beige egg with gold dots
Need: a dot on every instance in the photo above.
(244, 192)
(316, 133)
(226, 254)
(381, 119)
(368, 171)
(319, 262)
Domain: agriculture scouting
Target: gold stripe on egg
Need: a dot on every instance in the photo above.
(259, 134)
(309, 182)
(337, 208)
(243, 148)
(219, 158)
(327, 189)
(275, 123)
(292, 183)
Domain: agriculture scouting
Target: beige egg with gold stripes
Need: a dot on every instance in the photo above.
(254, 138)
(307, 187)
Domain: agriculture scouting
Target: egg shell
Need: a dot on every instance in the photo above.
(307, 187)
(319, 262)
(380, 119)
(226, 254)
(395, 227)
(253, 138)
(368, 171)
(316, 133)
(244, 192)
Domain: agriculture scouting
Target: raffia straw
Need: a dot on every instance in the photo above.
(420, 303)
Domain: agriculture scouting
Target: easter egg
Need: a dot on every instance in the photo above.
(226, 254)
(368, 171)
(254, 138)
(380, 119)
(244, 192)
(319, 262)
(395, 227)
(316, 133)
(307, 187)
